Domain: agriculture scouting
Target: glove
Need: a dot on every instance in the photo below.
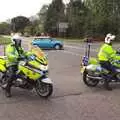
(18, 59)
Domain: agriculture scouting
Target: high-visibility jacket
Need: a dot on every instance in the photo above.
(106, 53)
(12, 54)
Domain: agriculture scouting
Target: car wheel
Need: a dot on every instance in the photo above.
(57, 47)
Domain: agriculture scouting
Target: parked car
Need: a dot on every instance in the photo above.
(47, 42)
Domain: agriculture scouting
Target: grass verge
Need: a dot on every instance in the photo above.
(4, 40)
(74, 40)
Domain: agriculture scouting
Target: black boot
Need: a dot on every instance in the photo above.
(106, 85)
(8, 92)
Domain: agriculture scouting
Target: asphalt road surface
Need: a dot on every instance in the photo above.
(71, 99)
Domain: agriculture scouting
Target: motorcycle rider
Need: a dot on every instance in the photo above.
(14, 52)
(105, 54)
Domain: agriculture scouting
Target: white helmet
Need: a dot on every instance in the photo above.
(16, 39)
(109, 37)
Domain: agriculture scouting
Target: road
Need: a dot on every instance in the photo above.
(71, 99)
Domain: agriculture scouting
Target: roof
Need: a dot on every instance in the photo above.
(42, 37)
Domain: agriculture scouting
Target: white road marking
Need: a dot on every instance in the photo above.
(79, 48)
(72, 53)
(70, 46)
(68, 52)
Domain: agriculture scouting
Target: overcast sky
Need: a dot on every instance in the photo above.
(13, 8)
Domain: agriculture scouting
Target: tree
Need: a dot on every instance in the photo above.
(55, 14)
(39, 28)
(35, 28)
(76, 14)
(19, 23)
(28, 30)
(42, 14)
(105, 15)
(4, 28)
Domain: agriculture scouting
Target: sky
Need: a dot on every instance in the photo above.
(13, 8)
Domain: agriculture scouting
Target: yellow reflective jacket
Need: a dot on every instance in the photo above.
(106, 53)
(12, 54)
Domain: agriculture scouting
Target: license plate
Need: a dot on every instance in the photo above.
(82, 69)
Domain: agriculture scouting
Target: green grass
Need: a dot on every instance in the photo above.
(71, 40)
(4, 40)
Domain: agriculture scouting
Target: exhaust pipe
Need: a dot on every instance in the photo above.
(92, 77)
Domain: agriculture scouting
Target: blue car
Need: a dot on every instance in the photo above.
(48, 43)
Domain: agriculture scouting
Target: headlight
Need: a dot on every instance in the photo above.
(43, 67)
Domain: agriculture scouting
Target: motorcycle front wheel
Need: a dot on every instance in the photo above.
(43, 89)
(88, 81)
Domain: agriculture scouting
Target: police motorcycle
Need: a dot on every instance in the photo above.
(92, 71)
(32, 73)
